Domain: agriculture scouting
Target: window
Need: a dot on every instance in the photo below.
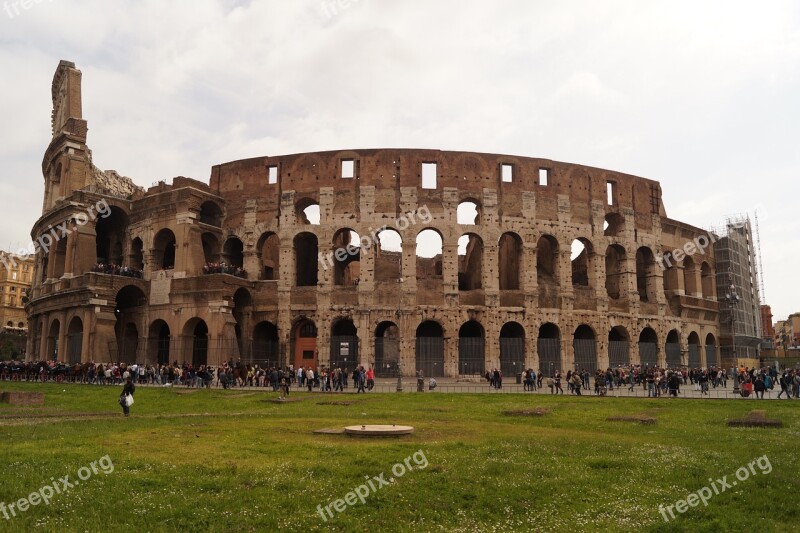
(348, 168)
(544, 176)
(428, 175)
(273, 174)
(507, 173)
(13, 275)
(611, 189)
(13, 289)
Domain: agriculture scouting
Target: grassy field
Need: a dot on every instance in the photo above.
(236, 461)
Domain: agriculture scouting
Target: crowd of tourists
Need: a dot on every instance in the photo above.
(655, 381)
(224, 268)
(117, 270)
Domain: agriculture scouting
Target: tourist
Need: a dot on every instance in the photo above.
(370, 379)
(559, 390)
(124, 401)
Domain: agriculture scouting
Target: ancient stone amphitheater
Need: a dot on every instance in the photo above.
(449, 262)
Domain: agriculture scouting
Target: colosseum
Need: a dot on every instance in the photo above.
(398, 259)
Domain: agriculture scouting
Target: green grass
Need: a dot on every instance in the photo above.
(230, 460)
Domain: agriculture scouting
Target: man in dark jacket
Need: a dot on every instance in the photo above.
(129, 388)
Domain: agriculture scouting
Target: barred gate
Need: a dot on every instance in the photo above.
(618, 354)
(387, 356)
(265, 353)
(430, 356)
(711, 355)
(344, 351)
(549, 355)
(585, 354)
(512, 355)
(648, 354)
(471, 356)
(694, 356)
(74, 346)
(673, 353)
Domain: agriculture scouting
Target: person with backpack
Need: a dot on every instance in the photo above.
(126, 398)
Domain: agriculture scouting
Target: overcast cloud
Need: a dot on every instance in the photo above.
(701, 96)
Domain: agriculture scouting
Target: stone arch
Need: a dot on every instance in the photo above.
(471, 348)
(211, 248)
(233, 252)
(512, 349)
(510, 261)
(584, 343)
(615, 271)
(344, 344)
(196, 341)
(111, 234)
(711, 351)
(53, 349)
(470, 262)
(694, 350)
(164, 247)
(582, 263)
(548, 345)
(547, 271)
(159, 342)
(269, 247)
(707, 280)
(429, 352)
(614, 225)
(265, 348)
(690, 276)
(645, 274)
(387, 349)
(211, 214)
(672, 350)
(648, 347)
(129, 310)
(618, 347)
(468, 212)
(388, 256)
(74, 340)
(346, 257)
(306, 250)
(308, 211)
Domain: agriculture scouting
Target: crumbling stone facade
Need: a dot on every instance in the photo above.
(558, 266)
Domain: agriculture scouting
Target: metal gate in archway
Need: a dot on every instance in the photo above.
(648, 354)
(618, 354)
(585, 354)
(694, 356)
(430, 356)
(387, 356)
(673, 354)
(549, 355)
(512, 355)
(344, 352)
(471, 359)
(711, 355)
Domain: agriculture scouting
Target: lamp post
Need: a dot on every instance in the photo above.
(399, 378)
(732, 299)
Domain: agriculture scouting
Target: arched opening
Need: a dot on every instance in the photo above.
(308, 212)
(429, 260)
(159, 342)
(305, 344)
(648, 348)
(512, 349)
(210, 249)
(270, 248)
(266, 345)
(618, 347)
(694, 350)
(111, 233)
(305, 259)
(129, 307)
(344, 344)
(196, 334)
(74, 340)
(233, 252)
(672, 350)
(509, 261)
(581, 258)
(615, 270)
(585, 346)
(645, 274)
(468, 213)
(59, 253)
(470, 262)
(548, 345)
(347, 257)
(211, 214)
(389, 256)
(471, 349)
(387, 349)
(242, 309)
(707, 280)
(547, 271)
(711, 351)
(137, 255)
(690, 276)
(429, 351)
(614, 225)
(671, 284)
(52, 340)
(164, 247)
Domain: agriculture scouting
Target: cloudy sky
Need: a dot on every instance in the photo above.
(701, 96)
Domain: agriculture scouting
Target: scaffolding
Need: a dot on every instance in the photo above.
(737, 273)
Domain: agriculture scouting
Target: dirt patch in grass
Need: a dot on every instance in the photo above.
(643, 419)
(537, 411)
(755, 419)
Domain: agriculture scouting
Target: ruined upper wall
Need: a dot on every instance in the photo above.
(389, 170)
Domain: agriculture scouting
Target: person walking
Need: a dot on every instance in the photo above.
(127, 391)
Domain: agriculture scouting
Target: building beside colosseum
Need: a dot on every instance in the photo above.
(450, 262)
